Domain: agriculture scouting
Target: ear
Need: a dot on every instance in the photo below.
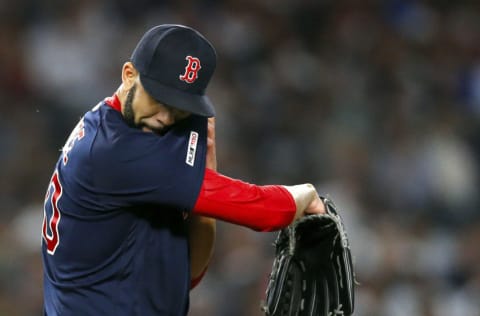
(129, 75)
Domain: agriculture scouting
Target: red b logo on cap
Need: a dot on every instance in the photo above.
(191, 69)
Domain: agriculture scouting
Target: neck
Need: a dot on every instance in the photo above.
(122, 96)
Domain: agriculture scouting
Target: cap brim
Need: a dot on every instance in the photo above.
(194, 103)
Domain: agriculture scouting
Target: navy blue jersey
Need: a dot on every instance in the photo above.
(114, 231)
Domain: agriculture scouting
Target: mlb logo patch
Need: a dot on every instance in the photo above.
(192, 148)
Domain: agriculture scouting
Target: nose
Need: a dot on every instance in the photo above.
(174, 115)
(165, 118)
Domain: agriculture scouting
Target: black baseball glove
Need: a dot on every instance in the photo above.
(312, 272)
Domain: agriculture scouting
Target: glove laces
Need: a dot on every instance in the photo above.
(337, 311)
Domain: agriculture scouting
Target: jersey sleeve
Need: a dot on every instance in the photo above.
(261, 208)
(132, 167)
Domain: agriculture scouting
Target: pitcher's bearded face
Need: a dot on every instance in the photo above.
(142, 111)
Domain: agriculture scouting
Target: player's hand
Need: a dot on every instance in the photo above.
(306, 199)
(211, 145)
(316, 206)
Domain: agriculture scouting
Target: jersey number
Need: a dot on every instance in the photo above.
(51, 214)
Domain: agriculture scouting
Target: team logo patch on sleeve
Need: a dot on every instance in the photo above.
(192, 148)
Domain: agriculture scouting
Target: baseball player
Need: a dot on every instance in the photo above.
(129, 217)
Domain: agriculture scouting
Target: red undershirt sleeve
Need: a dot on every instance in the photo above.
(261, 208)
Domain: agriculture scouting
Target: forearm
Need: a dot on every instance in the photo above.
(262, 208)
(202, 231)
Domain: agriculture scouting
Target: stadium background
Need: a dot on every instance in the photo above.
(376, 102)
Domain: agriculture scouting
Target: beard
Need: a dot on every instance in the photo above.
(128, 114)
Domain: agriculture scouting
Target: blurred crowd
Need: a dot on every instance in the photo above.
(375, 102)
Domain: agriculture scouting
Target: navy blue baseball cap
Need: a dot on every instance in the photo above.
(176, 63)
